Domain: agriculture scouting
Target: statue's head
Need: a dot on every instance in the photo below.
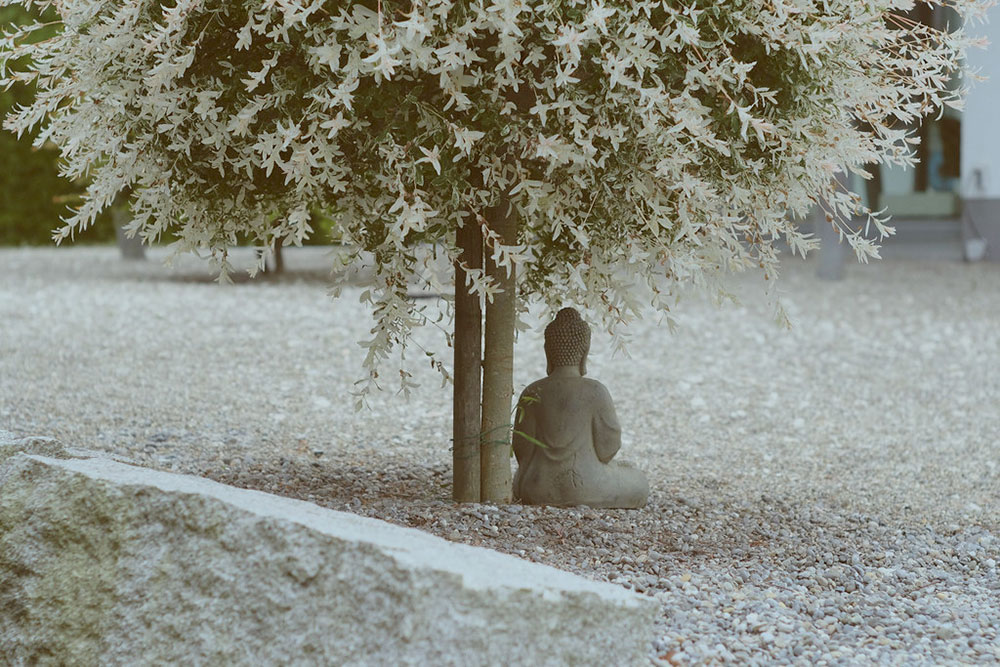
(567, 341)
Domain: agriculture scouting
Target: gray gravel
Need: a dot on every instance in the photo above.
(829, 494)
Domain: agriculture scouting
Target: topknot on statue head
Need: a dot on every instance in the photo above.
(567, 341)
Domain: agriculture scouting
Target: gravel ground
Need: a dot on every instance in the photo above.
(828, 494)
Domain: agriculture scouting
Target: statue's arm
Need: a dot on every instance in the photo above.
(524, 429)
(606, 431)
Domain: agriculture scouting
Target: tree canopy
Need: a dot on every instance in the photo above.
(643, 144)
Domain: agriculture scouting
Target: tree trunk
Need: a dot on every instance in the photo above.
(832, 250)
(131, 248)
(468, 368)
(279, 260)
(498, 367)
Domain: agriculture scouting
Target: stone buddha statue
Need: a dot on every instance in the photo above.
(566, 432)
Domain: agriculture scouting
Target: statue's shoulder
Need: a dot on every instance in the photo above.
(596, 389)
(533, 390)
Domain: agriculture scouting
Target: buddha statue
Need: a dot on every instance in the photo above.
(566, 432)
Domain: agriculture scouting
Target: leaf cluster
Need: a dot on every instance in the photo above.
(643, 145)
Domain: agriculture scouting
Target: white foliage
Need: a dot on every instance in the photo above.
(645, 144)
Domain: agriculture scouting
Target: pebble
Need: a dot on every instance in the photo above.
(838, 504)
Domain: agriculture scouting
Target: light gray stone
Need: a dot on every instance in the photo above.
(106, 563)
(11, 444)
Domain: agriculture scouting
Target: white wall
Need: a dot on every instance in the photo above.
(981, 118)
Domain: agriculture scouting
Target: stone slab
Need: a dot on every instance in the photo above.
(107, 563)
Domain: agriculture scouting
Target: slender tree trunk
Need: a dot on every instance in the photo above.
(276, 257)
(468, 368)
(498, 368)
(279, 260)
(832, 249)
(131, 248)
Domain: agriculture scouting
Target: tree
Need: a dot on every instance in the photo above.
(604, 152)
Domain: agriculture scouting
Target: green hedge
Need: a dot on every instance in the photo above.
(30, 185)
(29, 178)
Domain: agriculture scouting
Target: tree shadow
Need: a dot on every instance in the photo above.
(332, 485)
(286, 277)
(690, 529)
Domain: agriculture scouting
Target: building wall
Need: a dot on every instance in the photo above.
(981, 147)
(981, 119)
